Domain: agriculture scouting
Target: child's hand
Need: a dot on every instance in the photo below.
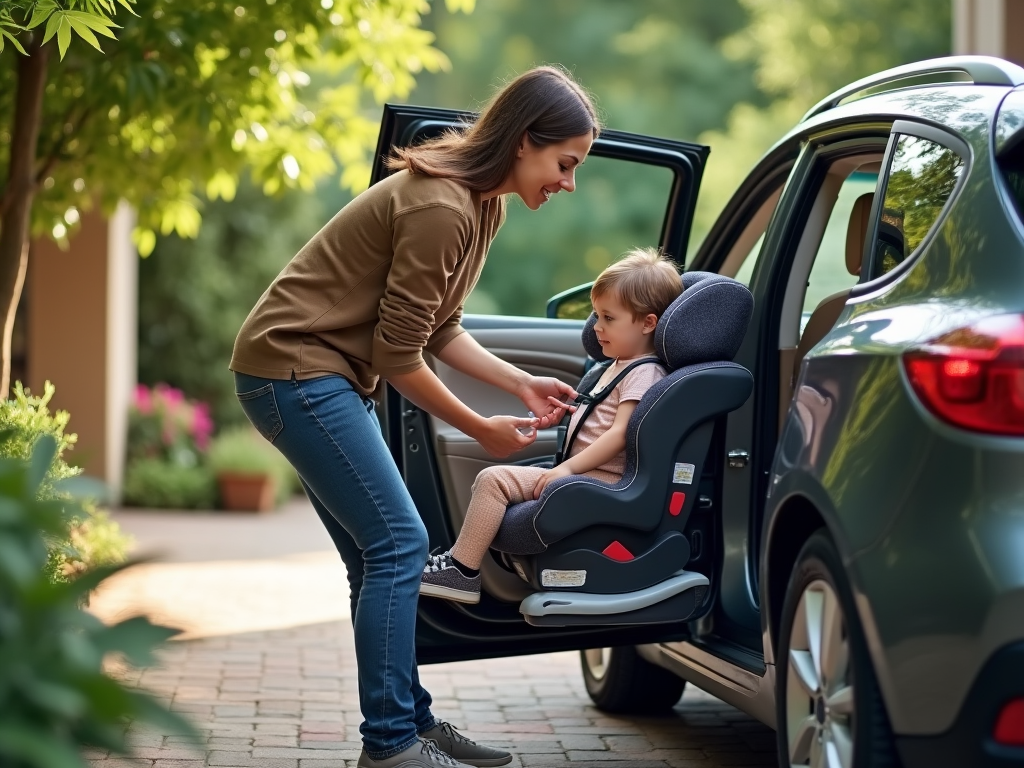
(555, 473)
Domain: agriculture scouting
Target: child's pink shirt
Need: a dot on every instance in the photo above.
(633, 387)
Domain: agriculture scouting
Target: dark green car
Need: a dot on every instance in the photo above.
(858, 522)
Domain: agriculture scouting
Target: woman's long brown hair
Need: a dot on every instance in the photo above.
(545, 104)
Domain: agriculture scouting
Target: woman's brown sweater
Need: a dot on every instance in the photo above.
(384, 279)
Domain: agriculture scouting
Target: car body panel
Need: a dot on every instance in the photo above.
(928, 518)
(913, 504)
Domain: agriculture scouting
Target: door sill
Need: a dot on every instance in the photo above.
(710, 665)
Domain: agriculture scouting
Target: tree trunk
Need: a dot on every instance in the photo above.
(19, 193)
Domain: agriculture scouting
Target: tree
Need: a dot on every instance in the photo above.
(180, 98)
(804, 50)
(654, 67)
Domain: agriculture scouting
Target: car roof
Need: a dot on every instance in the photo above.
(961, 93)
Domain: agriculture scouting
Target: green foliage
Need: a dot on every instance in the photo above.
(194, 295)
(654, 67)
(85, 18)
(804, 50)
(91, 538)
(23, 420)
(189, 95)
(54, 696)
(243, 450)
(162, 484)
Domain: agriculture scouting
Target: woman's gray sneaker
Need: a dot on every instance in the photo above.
(422, 754)
(442, 579)
(464, 750)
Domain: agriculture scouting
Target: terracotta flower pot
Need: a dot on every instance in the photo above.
(243, 492)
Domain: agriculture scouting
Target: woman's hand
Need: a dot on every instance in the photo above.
(501, 435)
(555, 473)
(545, 397)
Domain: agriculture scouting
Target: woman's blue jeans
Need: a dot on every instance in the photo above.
(331, 435)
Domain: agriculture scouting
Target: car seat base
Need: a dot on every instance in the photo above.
(674, 599)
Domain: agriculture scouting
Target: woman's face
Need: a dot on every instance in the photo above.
(540, 172)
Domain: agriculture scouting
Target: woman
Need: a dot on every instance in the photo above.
(385, 279)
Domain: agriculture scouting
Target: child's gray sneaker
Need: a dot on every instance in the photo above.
(442, 579)
(422, 754)
(453, 743)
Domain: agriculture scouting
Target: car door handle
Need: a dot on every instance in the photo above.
(738, 458)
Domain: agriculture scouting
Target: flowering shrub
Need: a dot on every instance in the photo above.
(90, 538)
(168, 436)
(163, 424)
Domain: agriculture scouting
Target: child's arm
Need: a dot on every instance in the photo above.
(604, 449)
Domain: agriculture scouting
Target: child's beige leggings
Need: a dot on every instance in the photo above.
(496, 488)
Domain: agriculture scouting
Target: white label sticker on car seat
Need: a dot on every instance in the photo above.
(553, 578)
(683, 474)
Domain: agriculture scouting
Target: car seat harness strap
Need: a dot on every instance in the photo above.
(590, 402)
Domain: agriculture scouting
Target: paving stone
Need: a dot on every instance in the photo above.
(235, 760)
(288, 697)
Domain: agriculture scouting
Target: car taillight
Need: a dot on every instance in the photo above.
(974, 377)
(1009, 729)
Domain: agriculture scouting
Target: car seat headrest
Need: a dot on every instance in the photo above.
(856, 232)
(706, 323)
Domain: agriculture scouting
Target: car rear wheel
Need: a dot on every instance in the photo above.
(620, 680)
(828, 706)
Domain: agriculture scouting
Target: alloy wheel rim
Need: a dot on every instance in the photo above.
(597, 661)
(819, 689)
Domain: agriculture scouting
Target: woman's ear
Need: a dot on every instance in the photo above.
(524, 142)
(650, 323)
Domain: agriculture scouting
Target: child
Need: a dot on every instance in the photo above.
(628, 297)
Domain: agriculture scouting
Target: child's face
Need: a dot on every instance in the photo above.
(619, 333)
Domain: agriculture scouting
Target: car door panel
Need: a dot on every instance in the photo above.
(439, 463)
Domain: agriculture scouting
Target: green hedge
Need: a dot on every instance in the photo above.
(54, 697)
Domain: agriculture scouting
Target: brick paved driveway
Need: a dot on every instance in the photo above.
(267, 669)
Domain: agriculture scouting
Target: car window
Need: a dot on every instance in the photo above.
(746, 270)
(922, 176)
(744, 254)
(829, 273)
(617, 205)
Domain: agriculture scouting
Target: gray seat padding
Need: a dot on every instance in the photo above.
(696, 338)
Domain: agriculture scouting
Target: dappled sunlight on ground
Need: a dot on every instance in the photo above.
(228, 597)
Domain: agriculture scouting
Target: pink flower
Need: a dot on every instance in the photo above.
(143, 399)
(202, 425)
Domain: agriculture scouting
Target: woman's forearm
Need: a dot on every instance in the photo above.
(464, 354)
(425, 390)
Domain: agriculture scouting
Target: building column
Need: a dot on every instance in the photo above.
(81, 336)
(990, 28)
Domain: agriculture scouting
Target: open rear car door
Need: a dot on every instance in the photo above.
(440, 463)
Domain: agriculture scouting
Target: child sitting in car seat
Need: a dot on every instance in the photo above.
(628, 297)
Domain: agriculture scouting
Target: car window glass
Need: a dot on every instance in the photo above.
(746, 270)
(829, 273)
(921, 179)
(617, 205)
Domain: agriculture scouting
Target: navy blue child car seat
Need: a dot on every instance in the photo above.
(616, 554)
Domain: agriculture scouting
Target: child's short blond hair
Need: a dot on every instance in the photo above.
(644, 280)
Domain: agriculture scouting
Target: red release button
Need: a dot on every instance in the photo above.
(675, 504)
(1009, 728)
(616, 551)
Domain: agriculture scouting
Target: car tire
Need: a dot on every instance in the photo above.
(828, 706)
(619, 680)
